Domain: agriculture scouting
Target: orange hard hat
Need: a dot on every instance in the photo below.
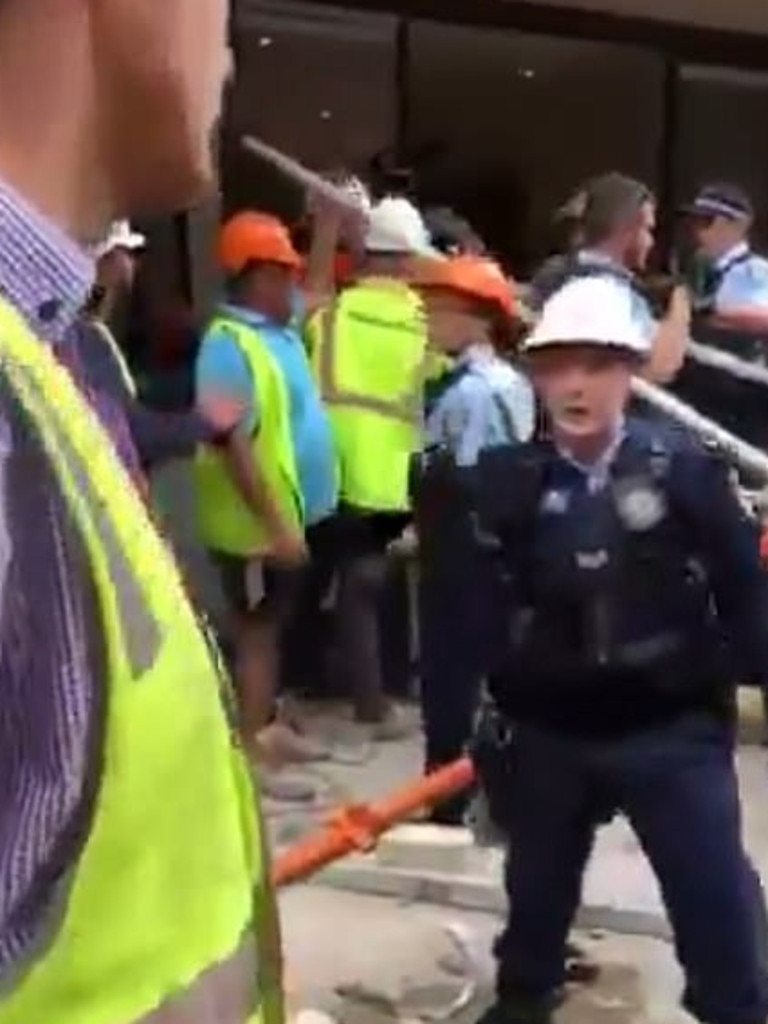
(250, 237)
(476, 277)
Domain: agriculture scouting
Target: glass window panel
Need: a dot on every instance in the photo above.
(510, 123)
(315, 81)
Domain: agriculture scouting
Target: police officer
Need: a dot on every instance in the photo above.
(612, 223)
(731, 307)
(480, 402)
(636, 597)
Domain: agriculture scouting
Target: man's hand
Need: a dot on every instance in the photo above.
(222, 414)
(348, 220)
(406, 545)
(679, 308)
(286, 548)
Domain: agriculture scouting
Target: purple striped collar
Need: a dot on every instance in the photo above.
(43, 272)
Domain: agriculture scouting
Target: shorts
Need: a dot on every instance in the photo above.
(257, 589)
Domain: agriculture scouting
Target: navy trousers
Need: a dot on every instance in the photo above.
(677, 786)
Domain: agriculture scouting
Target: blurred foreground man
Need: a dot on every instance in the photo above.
(130, 868)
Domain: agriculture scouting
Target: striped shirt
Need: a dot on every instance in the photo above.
(51, 657)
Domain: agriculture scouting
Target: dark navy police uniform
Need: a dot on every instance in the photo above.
(636, 599)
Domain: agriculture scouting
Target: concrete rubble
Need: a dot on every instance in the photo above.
(390, 962)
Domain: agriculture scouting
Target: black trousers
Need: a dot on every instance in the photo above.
(677, 786)
(363, 641)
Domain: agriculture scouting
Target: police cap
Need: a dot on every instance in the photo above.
(721, 200)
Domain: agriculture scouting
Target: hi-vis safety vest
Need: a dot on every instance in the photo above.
(225, 522)
(156, 916)
(369, 355)
(116, 352)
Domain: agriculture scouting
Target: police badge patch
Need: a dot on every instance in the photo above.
(555, 503)
(640, 505)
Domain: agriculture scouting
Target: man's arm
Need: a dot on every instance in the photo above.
(318, 281)
(741, 303)
(163, 436)
(157, 436)
(669, 338)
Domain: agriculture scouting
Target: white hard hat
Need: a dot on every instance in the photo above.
(594, 311)
(396, 226)
(121, 236)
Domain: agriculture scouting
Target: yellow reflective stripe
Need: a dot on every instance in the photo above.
(140, 629)
(403, 410)
(223, 994)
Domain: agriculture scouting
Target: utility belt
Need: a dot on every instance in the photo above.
(562, 648)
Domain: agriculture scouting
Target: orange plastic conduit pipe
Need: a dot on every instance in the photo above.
(358, 826)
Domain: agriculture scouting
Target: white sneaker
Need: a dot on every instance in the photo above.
(279, 744)
(286, 788)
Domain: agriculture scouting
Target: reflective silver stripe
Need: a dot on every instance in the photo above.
(223, 994)
(116, 352)
(141, 631)
(404, 410)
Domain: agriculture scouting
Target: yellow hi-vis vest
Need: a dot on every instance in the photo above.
(369, 354)
(156, 919)
(225, 522)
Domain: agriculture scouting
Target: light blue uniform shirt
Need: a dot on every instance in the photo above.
(222, 369)
(744, 282)
(597, 473)
(488, 404)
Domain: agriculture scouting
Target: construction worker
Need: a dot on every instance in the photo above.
(617, 687)
(731, 306)
(132, 872)
(155, 436)
(481, 401)
(368, 351)
(615, 238)
(275, 478)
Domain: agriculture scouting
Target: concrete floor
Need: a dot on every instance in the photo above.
(392, 950)
(367, 960)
